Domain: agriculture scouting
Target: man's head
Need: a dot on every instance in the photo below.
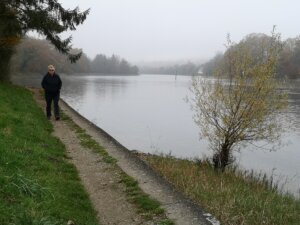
(51, 69)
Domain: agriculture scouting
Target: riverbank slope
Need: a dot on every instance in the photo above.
(38, 184)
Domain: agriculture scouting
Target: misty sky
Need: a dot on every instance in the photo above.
(154, 30)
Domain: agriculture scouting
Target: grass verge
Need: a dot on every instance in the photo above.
(231, 197)
(147, 206)
(37, 183)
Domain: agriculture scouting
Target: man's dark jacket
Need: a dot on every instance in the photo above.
(51, 83)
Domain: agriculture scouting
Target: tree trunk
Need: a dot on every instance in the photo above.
(10, 36)
(221, 158)
(5, 58)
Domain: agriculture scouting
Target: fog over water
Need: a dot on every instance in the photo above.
(155, 30)
(148, 113)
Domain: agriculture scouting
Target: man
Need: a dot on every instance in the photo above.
(52, 85)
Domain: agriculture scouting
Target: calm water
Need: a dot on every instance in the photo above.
(148, 113)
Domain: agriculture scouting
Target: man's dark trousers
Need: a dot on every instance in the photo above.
(52, 96)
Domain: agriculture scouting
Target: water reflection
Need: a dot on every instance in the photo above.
(148, 113)
(143, 114)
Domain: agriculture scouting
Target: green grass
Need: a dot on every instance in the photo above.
(233, 197)
(37, 183)
(147, 205)
(166, 222)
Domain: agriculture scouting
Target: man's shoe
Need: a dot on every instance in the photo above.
(57, 118)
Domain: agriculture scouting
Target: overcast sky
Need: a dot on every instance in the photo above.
(153, 30)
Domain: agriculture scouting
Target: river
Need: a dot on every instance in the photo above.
(148, 113)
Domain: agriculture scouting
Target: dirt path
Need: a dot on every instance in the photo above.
(101, 180)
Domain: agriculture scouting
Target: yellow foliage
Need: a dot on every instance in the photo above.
(241, 103)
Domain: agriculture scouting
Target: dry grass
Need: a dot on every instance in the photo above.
(233, 197)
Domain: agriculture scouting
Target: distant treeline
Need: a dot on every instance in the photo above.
(188, 68)
(112, 65)
(289, 57)
(34, 55)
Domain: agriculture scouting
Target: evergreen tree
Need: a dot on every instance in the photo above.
(47, 17)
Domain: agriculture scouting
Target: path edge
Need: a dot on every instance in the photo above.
(195, 208)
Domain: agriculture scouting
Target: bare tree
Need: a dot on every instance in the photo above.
(240, 104)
